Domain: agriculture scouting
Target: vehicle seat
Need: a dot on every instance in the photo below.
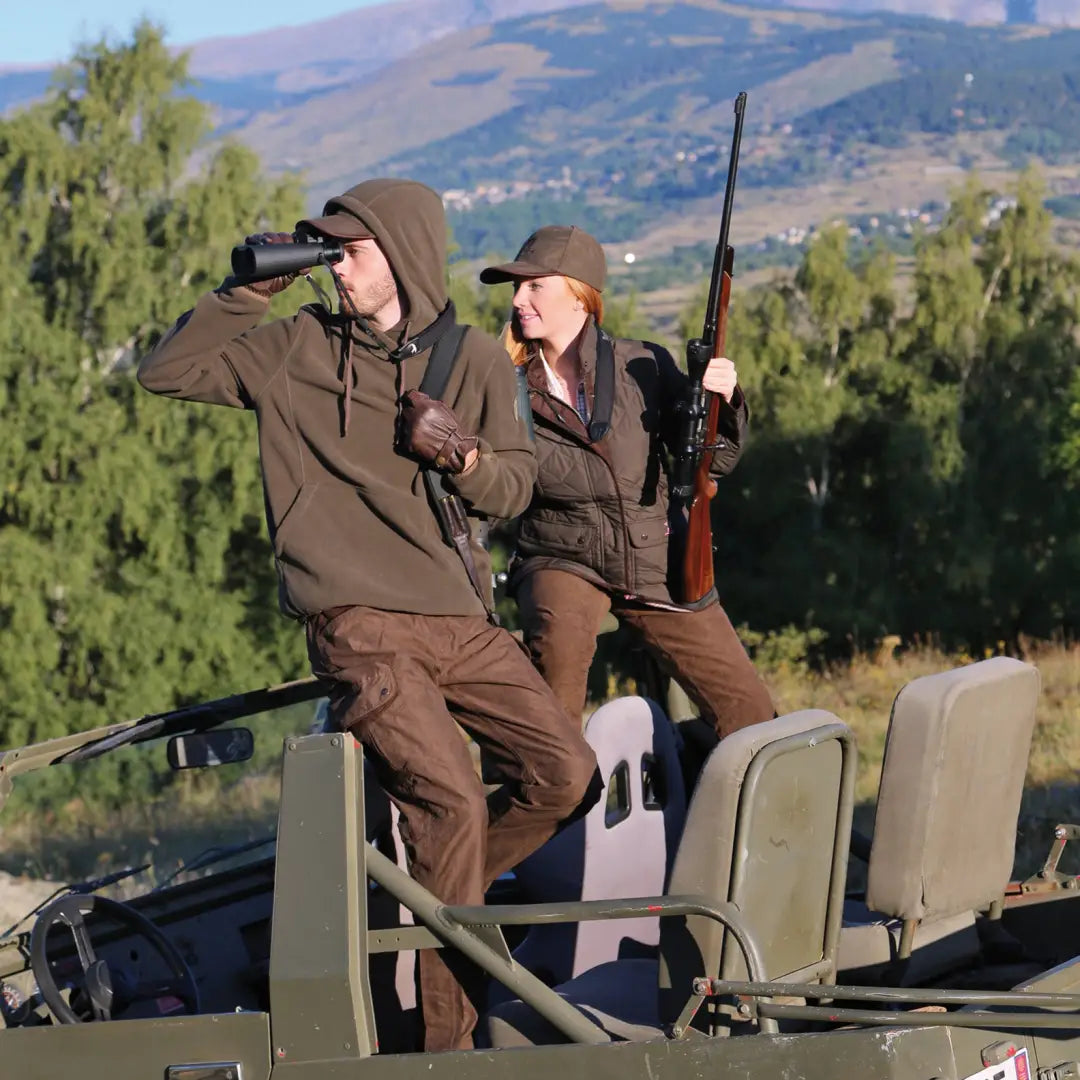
(767, 828)
(624, 846)
(944, 838)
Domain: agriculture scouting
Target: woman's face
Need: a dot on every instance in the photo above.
(546, 309)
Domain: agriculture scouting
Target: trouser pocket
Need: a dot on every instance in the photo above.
(363, 692)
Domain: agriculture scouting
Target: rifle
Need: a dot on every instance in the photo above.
(691, 486)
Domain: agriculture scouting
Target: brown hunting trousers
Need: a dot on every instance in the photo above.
(397, 676)
(561, 615)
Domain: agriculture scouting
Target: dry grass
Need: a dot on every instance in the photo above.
(861, 693)
(165, 833)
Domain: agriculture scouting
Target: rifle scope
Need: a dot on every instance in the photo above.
(257, 262)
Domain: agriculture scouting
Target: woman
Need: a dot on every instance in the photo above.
(596, 535)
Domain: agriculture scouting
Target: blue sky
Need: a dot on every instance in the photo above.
(47, 31)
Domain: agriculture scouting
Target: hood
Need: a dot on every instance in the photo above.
(408, 220)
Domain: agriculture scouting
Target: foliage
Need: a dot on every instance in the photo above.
(906, 468)
(136, 570)
(503, 227)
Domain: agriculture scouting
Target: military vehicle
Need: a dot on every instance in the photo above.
(670, 934)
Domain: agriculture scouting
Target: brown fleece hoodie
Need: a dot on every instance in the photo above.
(349, 517)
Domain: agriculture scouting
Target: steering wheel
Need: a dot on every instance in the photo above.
(70, 910)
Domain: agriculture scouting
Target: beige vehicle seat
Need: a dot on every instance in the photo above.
(945, 832)
(768, 828)
(624, 846)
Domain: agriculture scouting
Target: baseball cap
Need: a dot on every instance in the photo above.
(554, 249)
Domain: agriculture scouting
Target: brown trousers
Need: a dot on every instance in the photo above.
(396, 674)
(561, 615)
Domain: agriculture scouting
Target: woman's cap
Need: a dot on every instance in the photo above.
(554, 249)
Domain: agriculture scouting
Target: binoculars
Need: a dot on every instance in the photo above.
(257, 262)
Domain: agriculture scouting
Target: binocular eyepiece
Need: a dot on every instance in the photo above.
(258, 262)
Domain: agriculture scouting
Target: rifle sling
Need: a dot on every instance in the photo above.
(447, 504)
(604, 388)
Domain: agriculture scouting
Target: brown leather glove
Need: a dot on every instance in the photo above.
(428, 429)
(273, 285)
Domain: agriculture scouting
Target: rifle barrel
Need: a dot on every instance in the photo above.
(712, 307)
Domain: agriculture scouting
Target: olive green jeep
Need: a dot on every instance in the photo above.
(670, 933)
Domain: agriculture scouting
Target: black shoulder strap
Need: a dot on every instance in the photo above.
(431, 336)
(441, 362)
(604, 390)
(448, 505)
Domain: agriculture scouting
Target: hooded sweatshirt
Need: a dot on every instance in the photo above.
(348, 515)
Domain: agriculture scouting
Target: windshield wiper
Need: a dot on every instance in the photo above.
(213, 855)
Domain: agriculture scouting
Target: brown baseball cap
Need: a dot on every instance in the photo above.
(340, 220)
(554, 249)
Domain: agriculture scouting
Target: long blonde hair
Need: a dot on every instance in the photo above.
(522, 350)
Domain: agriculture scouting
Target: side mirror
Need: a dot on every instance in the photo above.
(199, 750)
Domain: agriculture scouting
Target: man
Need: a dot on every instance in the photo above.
(392, 616)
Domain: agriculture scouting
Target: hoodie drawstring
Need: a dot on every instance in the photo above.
(347, 377)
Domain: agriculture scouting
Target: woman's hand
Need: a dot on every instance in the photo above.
(720, 377)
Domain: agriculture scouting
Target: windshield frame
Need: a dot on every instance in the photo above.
(188, 719)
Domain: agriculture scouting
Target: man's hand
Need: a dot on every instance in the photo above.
(429, 430)
(720, 377)
(272, 285)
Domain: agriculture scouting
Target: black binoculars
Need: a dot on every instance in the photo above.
(257, 262)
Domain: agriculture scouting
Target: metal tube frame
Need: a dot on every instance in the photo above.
(972, 1019)
(906, 995)
(527, 986)
(969, 1017)
(458, 926)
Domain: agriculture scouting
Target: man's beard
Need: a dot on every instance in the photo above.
(374, 298)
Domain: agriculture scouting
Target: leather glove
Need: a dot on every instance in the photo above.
(273, 285)
(428, 429)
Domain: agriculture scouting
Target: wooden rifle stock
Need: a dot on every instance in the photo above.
(697, 569)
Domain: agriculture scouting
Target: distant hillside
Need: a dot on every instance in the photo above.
(290, 64)
(615, 91)
(296, 60)
(629, 115)
(1050, 12)
(618, 114)
(336, 50)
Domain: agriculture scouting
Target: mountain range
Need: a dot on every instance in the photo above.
(618, 113)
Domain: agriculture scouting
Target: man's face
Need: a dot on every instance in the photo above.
(367, 278)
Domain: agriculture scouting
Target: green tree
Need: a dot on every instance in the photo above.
(812, 359)
(905, 470)
(1012, 565)
(623, 318)
(136, 570)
